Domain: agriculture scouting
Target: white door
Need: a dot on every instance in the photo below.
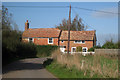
(62, 49)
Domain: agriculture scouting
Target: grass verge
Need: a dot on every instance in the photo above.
(61, 71)
(78, 66)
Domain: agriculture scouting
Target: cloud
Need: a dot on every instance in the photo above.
(106, 15)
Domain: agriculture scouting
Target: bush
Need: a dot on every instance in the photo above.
(91, 49)
(79, 49)
(26, 50)
(109, 45)
(97, 47)
(13, 48)
(45, 50)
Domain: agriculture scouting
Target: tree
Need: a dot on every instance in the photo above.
(76, 25)
(12, 47)
(110, 45)
(6, 19)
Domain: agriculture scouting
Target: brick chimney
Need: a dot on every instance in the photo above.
(26, 25)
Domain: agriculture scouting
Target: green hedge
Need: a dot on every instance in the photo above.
(13, 49)
(17, 51)
(45, 50)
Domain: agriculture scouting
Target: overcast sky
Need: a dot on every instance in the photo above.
(105, 24)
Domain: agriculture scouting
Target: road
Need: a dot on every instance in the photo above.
(27, 68)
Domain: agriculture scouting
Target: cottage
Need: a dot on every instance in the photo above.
(54, 36)
(85, 39)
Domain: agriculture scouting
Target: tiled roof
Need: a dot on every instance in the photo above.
(78, 35)
(41, 32)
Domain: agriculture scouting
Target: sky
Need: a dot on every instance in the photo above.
(105, 24)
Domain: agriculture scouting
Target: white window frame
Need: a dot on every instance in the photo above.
(80, 41)
(86, 49)
(48, 41)
(72, 49)
(38, 38)
(32, 40)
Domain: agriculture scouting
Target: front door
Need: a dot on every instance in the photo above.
(62, 49)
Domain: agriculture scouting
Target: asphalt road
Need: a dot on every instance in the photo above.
(27, 68)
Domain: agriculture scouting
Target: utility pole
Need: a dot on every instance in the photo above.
(69, 24)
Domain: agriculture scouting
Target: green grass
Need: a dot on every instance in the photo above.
(61, 71)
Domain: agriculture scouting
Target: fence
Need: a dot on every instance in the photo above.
(100, 51)
(107, 51)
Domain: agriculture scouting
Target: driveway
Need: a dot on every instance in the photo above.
(27, 68)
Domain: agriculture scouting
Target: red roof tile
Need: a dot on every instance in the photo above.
(41, 32)
(78, 35)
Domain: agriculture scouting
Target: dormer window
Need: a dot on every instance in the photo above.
(62, 41)
(79, 41)
(50, 40)
(30, 40)
(83, 41)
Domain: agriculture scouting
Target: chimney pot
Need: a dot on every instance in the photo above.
(26, 25)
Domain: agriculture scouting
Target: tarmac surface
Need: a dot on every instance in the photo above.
(27, 68)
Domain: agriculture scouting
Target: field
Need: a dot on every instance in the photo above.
(78, 66)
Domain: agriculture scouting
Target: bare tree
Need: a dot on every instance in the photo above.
(76, 25)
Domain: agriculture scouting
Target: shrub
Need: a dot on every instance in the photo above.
(91, 49)
(26, 50)
(13, 48)
(45, 50)
(97, 47)
(79, 48)
(109, 45)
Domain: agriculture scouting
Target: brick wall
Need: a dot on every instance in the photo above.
(87, 44)
(42, 41)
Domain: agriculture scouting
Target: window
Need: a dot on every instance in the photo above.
(30, 40)
(79, 41)
(75, 41)
(84, 49)
(62, 41)
(83, 41)
(50, 40)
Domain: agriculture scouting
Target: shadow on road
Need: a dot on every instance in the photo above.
(21, 65)
(47, 62)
